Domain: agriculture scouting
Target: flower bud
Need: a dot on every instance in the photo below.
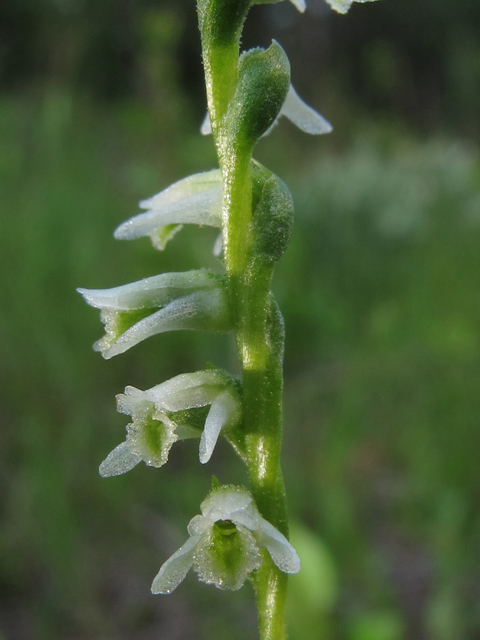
(263, 83)
(272, 214)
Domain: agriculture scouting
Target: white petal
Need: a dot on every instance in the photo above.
(119, 461)
(203, 208)
(198, 525)
(199, 311)
(206, 127)
(303, 116)
(218, 246)
(188, 390)
(341, 6)
(223, 503)
(174, 570)
(281, 551)
(149, 292)
(182, 189)
(223, 411)
(300, 4)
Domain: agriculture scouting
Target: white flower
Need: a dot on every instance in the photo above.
(297, 111)
(159, 420)
(193, 200)
(225, 542)
(195, 300)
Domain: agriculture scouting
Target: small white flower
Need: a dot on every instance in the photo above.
(157, 423)
(225, 542)
(193, 200)
(195, 300)
(297, 111)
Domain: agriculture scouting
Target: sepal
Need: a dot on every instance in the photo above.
(196, 199)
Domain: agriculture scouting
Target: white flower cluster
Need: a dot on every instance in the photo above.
(225, 544)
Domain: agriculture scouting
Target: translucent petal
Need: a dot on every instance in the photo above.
(300, 4)
(224, 410)
(303, 116)
(183, 188)
(149, 292)
(203, 208)
(248, 517)
(205, 310)
(281, 551)
(188, 390)
(134, 402)
(198, 525)
(119, 461)
(224, 502)
(174, 570)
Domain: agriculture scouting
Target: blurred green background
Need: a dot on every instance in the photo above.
(100, 106)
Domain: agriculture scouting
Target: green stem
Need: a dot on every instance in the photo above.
(259, 332)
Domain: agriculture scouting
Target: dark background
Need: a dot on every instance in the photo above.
(100, 106)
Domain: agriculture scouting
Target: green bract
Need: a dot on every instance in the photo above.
(240, 534)
(263, 82)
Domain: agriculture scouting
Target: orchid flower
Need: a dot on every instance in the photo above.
(159, 420)
(195, 300)
(225, 543)
(193, 200)
(295, 110)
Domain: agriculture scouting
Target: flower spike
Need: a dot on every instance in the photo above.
(193, 300)
(193, 200)
(159, 418)
(225, 543)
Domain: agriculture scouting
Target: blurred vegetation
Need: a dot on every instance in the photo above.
(100, 106)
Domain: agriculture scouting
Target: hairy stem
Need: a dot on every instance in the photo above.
(259, 333)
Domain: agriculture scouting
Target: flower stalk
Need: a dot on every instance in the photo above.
(240, 534)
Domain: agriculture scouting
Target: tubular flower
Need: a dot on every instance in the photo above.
(159, 418)
(295, 110)
(225, 543)
(193, 200)
(195, 300)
